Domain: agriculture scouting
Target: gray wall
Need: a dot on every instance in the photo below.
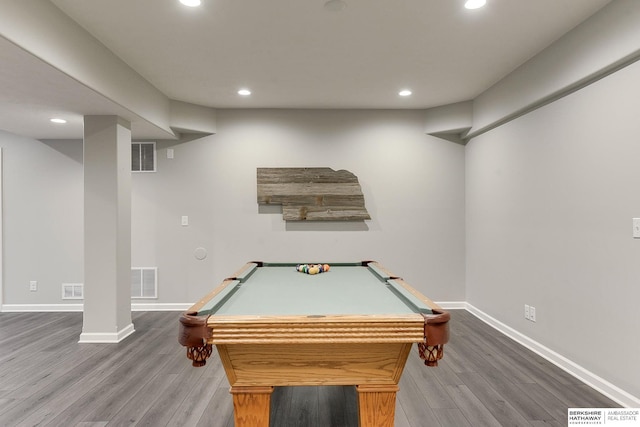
(413, 186)
(549, 207)
(42, 218)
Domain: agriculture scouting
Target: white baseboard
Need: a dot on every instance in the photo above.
(15, 308)
(105, 337)
(135, 306)
(452, 305)
(159, 306)
(594, 381)
(149, 306)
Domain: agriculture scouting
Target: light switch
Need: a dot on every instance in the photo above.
(169, 153)
(185, 220)
(636, 228)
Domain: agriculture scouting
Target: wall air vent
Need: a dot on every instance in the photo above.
(144, 282)
(72, 291)
(143, 157)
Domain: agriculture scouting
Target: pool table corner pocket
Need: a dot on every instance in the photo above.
(436, 333)
(194, 334)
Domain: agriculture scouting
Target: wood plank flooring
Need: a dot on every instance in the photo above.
(48, 379)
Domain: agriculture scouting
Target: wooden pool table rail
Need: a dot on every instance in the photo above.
(199, 332)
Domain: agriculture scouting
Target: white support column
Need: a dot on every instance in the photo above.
(107, 230)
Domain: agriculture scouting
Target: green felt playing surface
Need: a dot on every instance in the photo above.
(280, 290)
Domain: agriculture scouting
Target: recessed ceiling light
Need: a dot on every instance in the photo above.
(244, 92)
(335, 5)
(60, 121)
(190, 3)
(405, 92)
(475, 4)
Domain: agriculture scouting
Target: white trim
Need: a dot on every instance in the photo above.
(159, 306)
(106, 338)
(150, 306)
(15, 308)
(452, 305)
(594, 381)
(78, 307)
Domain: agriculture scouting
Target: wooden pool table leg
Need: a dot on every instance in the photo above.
(251, 406)
(376, 405)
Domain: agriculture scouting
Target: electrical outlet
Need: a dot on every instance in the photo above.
(527, 312)
(33, 285)
(532, 314)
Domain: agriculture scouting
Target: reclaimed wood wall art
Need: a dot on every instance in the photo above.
(312, 194)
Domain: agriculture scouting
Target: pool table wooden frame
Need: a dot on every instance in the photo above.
(260, 352)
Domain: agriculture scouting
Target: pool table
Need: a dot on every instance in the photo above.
(352, 325)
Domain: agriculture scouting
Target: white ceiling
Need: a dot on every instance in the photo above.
(290, 53)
